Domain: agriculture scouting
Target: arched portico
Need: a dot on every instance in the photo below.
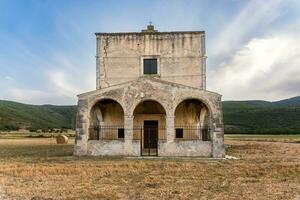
(106, 120)
(192, 120)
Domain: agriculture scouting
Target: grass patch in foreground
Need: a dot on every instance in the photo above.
(40, 169)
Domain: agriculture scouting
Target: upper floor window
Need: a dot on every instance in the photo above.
(150, 66)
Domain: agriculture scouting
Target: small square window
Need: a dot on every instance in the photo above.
(120, 132)
(179, 132)
(150, 66)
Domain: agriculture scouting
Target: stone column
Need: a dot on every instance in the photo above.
(218, 145)
(81, 138)
(166, 148)
(170, 128)
(218, 150)
(128, 126)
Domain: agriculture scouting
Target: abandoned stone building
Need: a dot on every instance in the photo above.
(151, 98)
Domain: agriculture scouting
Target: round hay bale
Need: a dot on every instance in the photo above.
(62, 139)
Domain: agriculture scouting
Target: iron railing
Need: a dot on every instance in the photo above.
(118, 132)
(192, 133)
(114, 132)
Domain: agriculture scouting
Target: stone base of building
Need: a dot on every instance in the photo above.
(193, 148)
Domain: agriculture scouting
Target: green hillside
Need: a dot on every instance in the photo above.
(281, 117)
(15, 115)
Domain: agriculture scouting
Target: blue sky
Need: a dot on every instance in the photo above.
(47, 47)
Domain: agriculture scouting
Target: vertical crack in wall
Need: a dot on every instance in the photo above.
(103, 62)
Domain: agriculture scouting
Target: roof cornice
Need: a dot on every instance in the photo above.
(151, 33)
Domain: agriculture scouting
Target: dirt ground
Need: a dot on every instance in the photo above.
(39, 169)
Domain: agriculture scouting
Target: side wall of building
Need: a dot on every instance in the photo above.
(181, 57)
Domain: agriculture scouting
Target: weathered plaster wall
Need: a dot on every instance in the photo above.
(190, 113)
(111, 148)
(186, 148)
(181, 57)
(108, 113)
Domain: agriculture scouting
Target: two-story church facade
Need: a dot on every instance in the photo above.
(151, 98)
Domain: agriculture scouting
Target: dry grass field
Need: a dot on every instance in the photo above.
(266, 138)
(39, 169)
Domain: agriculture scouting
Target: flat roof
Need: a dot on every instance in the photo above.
(151, 33)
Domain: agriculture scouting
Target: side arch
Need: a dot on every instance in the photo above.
(203, 100)
(192, 120)
(96, 100)
(107, 116)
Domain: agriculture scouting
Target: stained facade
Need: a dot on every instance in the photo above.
(150, 98)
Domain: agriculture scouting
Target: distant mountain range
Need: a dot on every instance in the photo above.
(279, 117)
(15, 115)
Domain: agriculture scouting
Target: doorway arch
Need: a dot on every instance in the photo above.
(149, 125)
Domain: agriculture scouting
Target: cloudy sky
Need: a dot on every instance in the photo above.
(47, 47)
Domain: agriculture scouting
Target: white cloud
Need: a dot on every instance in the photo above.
(37, 97)
(68, 84)
(266, 68)
(256, 16)
(28, 96)
(61, 85)
(253, 58)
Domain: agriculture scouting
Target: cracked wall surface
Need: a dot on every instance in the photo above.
(181, 57)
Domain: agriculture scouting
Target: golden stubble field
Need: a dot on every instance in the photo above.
(39, 169)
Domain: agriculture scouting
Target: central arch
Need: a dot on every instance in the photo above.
(149, 121)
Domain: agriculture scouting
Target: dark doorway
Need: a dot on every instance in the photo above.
(150, 137)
